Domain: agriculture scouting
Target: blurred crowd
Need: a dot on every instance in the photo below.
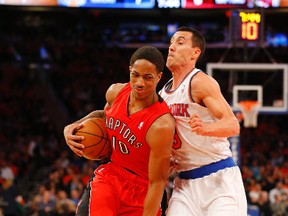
(51, 77)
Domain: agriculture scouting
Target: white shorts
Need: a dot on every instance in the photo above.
(218, 194)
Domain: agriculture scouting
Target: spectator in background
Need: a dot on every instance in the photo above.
(8, 196)
(47, 204)
(277, 192)
(75, 195)
(8, 191)
(64, 205)
(6, 172)
(259, 197)
(280, 205)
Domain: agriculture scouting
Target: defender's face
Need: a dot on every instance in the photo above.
(181, 50)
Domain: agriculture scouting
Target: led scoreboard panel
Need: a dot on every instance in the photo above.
(151, 4)
(186, 4)
(233, 4)
(108, 3)
(246, 25)
(129, 4)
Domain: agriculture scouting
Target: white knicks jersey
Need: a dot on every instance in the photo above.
(194, 150)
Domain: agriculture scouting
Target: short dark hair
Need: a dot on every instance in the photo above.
(198, 39)
(151, 54)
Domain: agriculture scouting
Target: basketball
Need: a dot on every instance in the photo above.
(96, 142)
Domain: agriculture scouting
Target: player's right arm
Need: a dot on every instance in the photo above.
(72, 140)
(206, 91)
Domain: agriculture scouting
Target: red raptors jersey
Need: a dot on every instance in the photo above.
(127, 132)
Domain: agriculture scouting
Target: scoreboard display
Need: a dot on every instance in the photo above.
(246, 26)
(129, 4)
(150, 4)
(202, 4)
(108, 3)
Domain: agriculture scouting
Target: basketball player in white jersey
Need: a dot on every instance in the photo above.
(209, 183)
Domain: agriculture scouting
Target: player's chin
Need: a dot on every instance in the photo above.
(170, 59)
(139, 93)
(170, 63)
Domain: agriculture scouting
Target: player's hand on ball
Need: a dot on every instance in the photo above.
(97, 143)
(72, 140)
(197, 124)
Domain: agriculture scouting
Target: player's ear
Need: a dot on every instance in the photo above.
(130, 68)
(196, 52)
(159, 75)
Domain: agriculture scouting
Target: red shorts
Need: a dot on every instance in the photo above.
(115, 191)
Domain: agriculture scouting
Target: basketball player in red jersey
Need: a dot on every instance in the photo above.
(141, 129)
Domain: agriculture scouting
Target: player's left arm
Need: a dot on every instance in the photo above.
(160, 138)
(206, 90)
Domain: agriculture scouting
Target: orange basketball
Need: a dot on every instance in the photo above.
(96, 142)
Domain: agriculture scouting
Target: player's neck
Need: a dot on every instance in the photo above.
(138, 104)
(179, 76)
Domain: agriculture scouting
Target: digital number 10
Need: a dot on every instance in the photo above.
(249, 31)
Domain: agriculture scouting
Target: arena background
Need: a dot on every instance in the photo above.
(58, 59)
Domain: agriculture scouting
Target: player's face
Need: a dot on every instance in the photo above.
(181, 50)
(143, 78)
